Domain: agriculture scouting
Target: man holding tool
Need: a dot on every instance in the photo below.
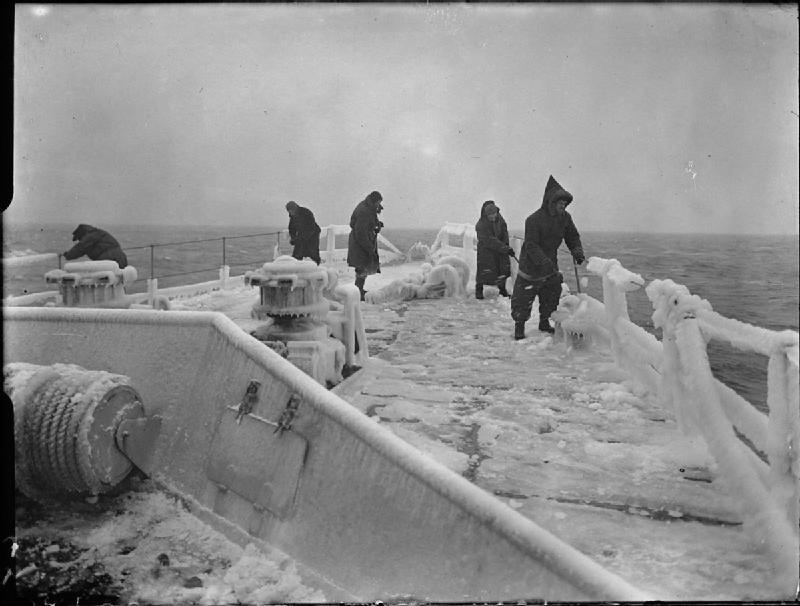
(493, 250)
(538, 271)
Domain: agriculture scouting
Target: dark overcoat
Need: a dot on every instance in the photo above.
(493, 260)
(362, 245)
(544, 232)
(304, 234)
(97, 244)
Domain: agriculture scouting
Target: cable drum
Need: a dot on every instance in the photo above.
(65, 422)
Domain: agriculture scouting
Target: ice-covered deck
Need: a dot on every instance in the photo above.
(560, 434)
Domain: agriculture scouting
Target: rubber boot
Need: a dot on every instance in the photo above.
(519, 330)
(544, 326)
(502, 286)
(360, 285)
(479, 291)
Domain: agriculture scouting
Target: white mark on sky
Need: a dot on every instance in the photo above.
(691, 171)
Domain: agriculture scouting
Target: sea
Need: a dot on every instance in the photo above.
(750, 278)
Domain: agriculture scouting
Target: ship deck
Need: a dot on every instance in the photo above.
(557, 433)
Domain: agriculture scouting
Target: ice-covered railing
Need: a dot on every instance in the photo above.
(329, 253)
(678, 371)
(456, 239)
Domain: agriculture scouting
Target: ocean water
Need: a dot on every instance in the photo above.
(753, 279)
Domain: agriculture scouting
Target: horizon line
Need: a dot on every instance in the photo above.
(218, 226)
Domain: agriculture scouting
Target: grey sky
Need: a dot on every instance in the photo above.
(656, 117)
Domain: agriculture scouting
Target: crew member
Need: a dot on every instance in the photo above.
(97, 244)
(362, 245)
(538, 271)
(303, 232)
(494, 266)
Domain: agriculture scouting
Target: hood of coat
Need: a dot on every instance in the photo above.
(553, 192)
(374, 199)
(81, 231)
(485, 205)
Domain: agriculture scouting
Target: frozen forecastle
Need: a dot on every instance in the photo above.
(443, 462)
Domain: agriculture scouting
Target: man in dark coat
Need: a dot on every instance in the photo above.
(362, 245)
(97, 244)
(538, 264)
(303, 232)
(494, 266)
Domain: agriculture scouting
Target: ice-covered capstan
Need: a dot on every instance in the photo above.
(323, 337)
(92, 283)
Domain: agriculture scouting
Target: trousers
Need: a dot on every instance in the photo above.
(525, 291)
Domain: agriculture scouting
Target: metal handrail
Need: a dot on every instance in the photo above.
(152, 275)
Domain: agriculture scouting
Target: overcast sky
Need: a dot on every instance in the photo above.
(668, 118)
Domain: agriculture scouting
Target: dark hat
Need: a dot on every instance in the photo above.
(374, 196)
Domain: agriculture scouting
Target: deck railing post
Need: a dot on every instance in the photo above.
(152, 261)
(152, 290)
(330, 245)
(614, 298)
(784, 429)
(224, 274)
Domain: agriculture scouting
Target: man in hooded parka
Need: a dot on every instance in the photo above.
(494, 266)
(362, 245)
(97, 244)
(538, 271)
(303, 232)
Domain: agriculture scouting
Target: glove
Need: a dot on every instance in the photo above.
(510, 252)
(579, 258)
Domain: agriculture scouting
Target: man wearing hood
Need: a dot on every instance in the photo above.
(494, 266)
(362, 245)
(303, 232)
(97, 244)
(538, 271)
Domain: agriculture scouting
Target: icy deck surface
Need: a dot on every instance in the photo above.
(559, 434)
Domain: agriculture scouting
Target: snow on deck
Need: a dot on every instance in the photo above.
(560, 435)
(144, 546)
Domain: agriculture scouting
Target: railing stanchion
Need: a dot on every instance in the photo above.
(152, 261)
(330, 244)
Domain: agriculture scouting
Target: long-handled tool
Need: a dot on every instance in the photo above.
(577, 278)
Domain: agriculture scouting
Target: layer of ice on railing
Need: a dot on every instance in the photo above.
(329, 253)
(20, 261)
(677, 371)
(455, 239)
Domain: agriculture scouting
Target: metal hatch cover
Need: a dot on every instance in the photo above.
(250, 457)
